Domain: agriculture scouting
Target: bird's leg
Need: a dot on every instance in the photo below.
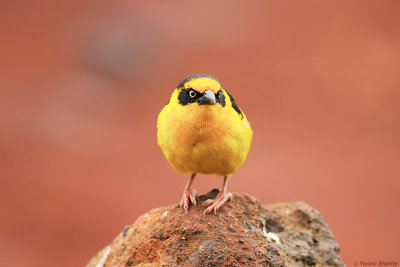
(188, 195)
(222, 197)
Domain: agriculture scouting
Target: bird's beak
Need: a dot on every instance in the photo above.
(207, 98)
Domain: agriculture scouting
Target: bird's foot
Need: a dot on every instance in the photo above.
(188, 195)
(216, 204)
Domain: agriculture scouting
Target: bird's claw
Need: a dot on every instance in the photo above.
(189, 195)
(217, 203)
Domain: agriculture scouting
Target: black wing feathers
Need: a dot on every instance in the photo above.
(234, 105)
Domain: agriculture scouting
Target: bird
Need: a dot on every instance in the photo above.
(202, 130)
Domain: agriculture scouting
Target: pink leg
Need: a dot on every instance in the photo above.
(222, 197)
(188, 195)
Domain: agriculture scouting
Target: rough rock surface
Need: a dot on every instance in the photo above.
(242, 233)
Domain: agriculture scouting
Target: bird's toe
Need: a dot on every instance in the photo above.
(217, 203)
(192, 197)
(184, 203)
(188, 196)
(208, 202)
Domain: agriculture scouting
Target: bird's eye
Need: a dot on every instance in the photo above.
(192, 93)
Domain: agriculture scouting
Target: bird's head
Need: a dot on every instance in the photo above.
(200, 89)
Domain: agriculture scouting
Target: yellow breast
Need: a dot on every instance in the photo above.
(209, 139)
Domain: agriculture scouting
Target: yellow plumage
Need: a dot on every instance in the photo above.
(203, 137)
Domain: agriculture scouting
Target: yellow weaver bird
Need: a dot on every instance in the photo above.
(202, 130)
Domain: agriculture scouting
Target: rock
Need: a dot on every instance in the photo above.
(242, 233)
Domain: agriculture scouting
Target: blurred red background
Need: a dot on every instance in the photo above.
(82, 83)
